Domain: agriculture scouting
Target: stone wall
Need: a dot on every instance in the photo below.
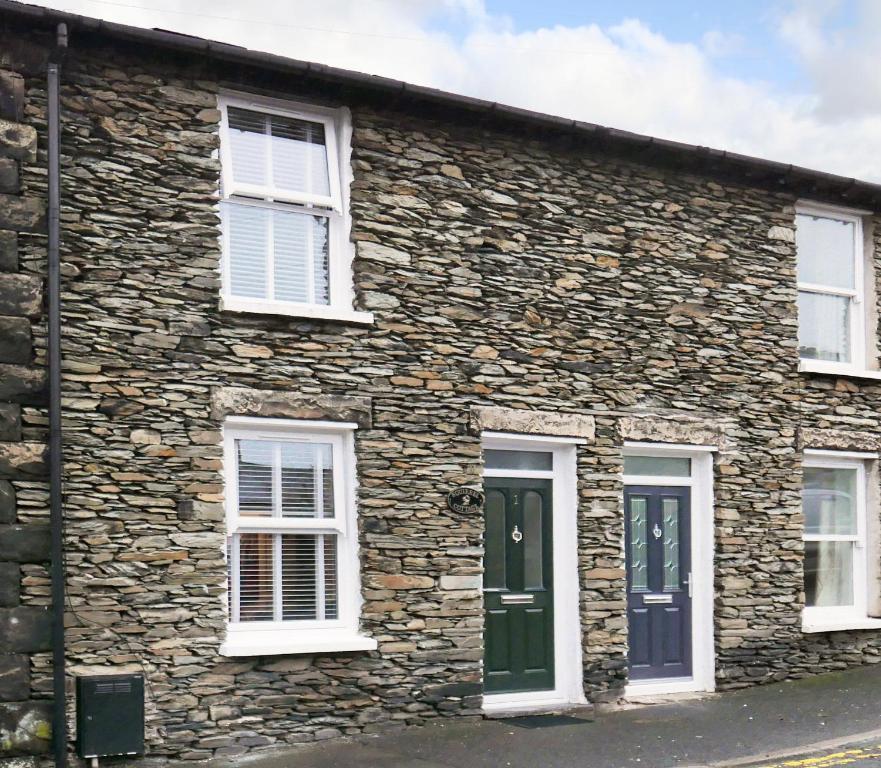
(506, 270)
(25, 672)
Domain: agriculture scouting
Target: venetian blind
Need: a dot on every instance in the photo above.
(278, 238)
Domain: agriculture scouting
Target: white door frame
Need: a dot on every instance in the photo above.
(703, 677)
(569, 687)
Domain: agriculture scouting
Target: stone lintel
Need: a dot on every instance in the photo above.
(672, 429)
(530, 422)
(241, 401)
(838, 439)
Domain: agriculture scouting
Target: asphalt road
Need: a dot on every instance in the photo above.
(728, 730)
(861, 755)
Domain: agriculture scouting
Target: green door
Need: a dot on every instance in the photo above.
(518, 586)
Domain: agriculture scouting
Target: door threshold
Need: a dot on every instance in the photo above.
(531, 703)
(663, 686)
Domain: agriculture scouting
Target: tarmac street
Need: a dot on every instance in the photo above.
(818, 722)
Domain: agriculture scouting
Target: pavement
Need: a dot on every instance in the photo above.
(818, 722)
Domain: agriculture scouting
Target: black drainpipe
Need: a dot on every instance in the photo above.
(56, 515)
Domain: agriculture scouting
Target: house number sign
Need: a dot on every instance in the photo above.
(465, 500)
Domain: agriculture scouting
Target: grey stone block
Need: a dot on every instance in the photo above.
(25, 629)
(22, 459)
(9, 180)
(18, 140)
(26, 726)
(22, 214)
(20, 295)
(15, 677)
(25, 543)
(8, 251)
(10, 584)
(15, 339)
(11, 95)
(21, 384)
(7, 502)
(10, 425)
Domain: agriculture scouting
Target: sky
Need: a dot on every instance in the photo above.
(789, 80)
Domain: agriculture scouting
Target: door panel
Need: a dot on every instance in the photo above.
(658, 556)
(518, 586)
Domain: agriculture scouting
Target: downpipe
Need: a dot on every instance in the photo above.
(56, 514)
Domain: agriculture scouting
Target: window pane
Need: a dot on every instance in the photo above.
(666, 466)
(255, 459)
(539, 460)
(824, 327)
(280, 152)
(639, 573)
(532, 543)
(255, 576)
(495, 538)
(304, 472)
(309, 578)
(300, 246)
(828, 573)
(248, 232)
(826, 251)
(670, 512)
(248, 145)
(829, 500)
(306, 479)
(299, 156)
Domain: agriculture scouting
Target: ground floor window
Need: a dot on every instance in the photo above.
(835, 537)
(291, 531)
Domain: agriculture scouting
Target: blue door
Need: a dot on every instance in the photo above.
(658, 550)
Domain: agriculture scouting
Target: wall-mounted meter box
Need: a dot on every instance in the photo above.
(110, 715)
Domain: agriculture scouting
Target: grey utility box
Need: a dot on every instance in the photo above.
(110, 715)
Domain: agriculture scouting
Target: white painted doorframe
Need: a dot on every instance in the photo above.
(569, 688)
(702, 631)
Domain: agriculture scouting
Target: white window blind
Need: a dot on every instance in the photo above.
(286, 526)
(282, 208)
(832, 320)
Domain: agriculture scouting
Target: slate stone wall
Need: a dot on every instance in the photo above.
(505, 269)
(25, 670)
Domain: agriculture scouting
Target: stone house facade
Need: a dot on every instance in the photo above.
(278, 385)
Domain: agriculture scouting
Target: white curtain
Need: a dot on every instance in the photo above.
(834, 563)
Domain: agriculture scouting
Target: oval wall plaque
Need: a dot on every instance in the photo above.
(465, 500)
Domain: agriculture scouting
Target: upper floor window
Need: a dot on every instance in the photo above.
(832, 316)
(284, 210)
(292, 538)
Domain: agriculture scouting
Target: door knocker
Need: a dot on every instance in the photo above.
(657, 531)
(516, 535)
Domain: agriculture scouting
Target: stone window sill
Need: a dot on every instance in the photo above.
(810, 626)
(836, 369)
(260, 642)
(288, 309)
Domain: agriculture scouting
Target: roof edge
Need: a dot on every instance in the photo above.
(833, 184)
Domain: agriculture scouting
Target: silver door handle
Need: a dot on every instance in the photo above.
(517, 599)
(689, 584)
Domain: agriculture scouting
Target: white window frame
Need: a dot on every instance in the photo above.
(859, 314)
(252, 638)
(335, 207)
(824, 619)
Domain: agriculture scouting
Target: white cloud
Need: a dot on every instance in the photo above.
(627, 76)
